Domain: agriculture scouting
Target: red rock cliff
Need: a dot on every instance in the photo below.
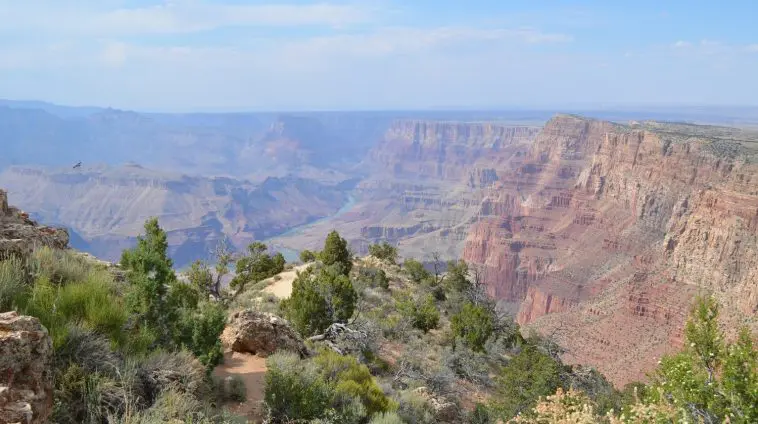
(605, 232)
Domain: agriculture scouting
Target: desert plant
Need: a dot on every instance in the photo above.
(383, 251)
(307, 256)
(294, 389)
(473, 324)
(319, 298)
(13, 286)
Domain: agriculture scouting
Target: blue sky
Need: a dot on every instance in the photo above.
(378, 54)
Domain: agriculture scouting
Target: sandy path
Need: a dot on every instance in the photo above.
(283, 287)
(252, 370)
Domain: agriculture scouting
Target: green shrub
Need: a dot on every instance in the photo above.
(318, 299)
(480, 415)
(294, 389)
(353, 380)
(473, 324)
(423, 313)
(383, 251)
(529, 375)
(13, 287)
(237, 390)
(415, 409)
(200, 330)
(307, 256)
(416, 270)
(60, 266)
(91, 304)
(374, 277)
(386, 418)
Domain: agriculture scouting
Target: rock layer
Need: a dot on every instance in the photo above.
(19, 234)
(26, 376)
(605, 232)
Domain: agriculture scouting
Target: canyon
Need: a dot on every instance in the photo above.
(604, 233)
(595, 232)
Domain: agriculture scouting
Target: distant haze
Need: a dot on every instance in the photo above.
(191, 55)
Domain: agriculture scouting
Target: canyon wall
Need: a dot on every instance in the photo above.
(425, 182)
(603, 234)
(106, 208)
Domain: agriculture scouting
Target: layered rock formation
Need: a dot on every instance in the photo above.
(427, 179)
(26, 375)
(106, 207)
(602, 235)
(19, 234)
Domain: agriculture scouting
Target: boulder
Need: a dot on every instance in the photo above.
(261, 333)
(26, 375)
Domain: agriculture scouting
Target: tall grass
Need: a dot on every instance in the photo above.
(70, 292)
(13, 285)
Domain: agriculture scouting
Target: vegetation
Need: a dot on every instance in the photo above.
(384, 251)
(307, 256)
(389, 344)
(336, 253)
(319, 298)
(473, 324)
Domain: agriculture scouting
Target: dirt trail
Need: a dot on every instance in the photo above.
(282, 288)
(252, 370)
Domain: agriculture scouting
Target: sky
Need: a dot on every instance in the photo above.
(223, 55)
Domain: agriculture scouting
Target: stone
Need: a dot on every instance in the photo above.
(26, 375)
(261, 333)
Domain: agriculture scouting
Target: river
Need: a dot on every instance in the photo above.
(292, 255)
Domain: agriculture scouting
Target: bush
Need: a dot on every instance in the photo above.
(294, 389)
(199, 331)
(480, 415)
(473, 324)
(384, 251)
(374, 277)
(415, 409)
(416, 270)
(353, 380)
(318, 300)
(60, 266)
(423, 313)
(230, 388)
(386, 418)
(13, 285)
(91, 304)
(529, 375)
(307, 256)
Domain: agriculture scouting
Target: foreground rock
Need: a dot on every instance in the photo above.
(19, 234)
(26, 377)
(260, 333)
(444, 411)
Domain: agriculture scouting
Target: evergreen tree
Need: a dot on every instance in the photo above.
(336, 253)
(474, 325)
(319, 298)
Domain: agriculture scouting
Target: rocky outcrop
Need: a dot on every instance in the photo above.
(604, 232)
(26, 376)
(260, 333)
(447, 150)
(19, 234)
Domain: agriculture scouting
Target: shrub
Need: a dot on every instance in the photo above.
(473, 324)
(307, 256)
(423, 313)
(294, 390)
(480, 415)
(60, 266)
(257, 265)
(416, 270)
(562, 407)
(386, 418)
(383, 251)
(374, 277)
(353, 380)
(91, 304)
(13, 285)
(415, 409)
(529, 375)
(318, 300)
(199, 331)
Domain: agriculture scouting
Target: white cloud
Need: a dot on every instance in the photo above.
(752, 48)
(681, 44)
(172, 17)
